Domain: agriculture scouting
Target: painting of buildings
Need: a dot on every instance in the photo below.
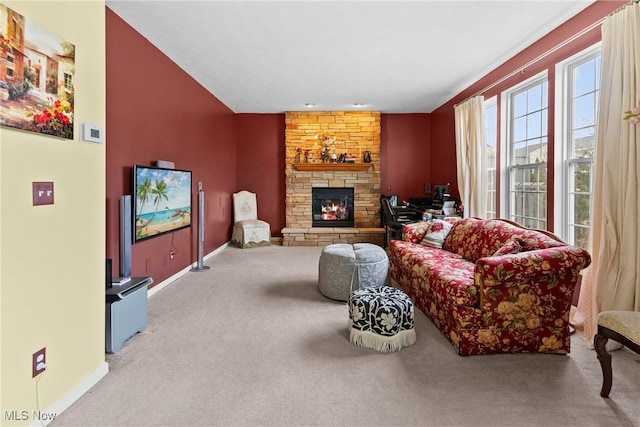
(36, 77)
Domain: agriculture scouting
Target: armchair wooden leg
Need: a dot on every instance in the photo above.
(599, 342)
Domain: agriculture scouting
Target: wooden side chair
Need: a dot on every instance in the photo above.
(620, 326)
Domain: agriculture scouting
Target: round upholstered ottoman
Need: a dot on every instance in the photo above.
(344, 267)
(381, 318)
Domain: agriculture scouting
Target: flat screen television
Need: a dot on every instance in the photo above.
(162, 202)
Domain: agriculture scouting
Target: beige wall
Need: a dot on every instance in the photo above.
(52, 257)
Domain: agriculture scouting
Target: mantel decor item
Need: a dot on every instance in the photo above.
(336, 167)
(36, 99)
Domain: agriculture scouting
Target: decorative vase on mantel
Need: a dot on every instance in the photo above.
(325, 155)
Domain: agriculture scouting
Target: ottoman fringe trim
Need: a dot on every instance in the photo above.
(381, 343)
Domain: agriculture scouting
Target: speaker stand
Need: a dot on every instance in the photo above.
(199, 265)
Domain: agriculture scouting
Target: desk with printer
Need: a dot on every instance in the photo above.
(394, 214)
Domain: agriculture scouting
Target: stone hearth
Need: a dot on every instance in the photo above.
(356, 132)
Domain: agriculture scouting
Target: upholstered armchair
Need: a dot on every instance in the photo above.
(248, 230)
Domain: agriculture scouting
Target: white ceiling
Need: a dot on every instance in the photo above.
(391, 56)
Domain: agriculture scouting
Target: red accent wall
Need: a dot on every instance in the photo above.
(260, 165)
(443, 159)
(156, 111)
(405, 154)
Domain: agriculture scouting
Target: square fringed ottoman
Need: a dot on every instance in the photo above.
(381, 318)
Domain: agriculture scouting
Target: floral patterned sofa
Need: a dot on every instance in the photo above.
(493, 287)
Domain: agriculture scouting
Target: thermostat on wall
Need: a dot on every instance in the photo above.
(91, 133)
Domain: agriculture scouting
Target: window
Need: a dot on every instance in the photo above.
(10, 63)
(68, 81)
(526, 153)
(11, 30)
(523, 147)
(491, 126)
(578, 94)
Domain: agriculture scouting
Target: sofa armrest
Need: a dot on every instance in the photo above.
(525, 288)
(415, 231)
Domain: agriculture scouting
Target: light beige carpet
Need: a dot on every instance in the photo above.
(252, 342)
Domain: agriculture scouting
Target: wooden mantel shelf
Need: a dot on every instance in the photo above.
(341, 167)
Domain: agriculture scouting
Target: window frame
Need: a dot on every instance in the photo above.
(68, 81)
(507, 168)
(564, 226)
(491, 211)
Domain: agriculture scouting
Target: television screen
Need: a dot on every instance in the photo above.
(162, 201)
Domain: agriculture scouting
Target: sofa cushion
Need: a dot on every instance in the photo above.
(414, 232)
(436, 233)
(452, 280)
(512, 246)
(474, 238)
(443, 273)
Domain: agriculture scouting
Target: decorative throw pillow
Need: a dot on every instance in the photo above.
(434, 238)
(510, 247)
(529, 244)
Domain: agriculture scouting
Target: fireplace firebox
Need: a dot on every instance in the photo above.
(332, 207)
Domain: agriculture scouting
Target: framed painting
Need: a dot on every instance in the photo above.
(37, 71)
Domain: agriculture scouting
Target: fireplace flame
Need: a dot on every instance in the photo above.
(334, 212)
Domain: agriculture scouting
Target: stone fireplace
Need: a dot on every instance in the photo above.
(355, 132)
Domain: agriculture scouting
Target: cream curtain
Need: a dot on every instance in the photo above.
(471, 154)
(612, 282)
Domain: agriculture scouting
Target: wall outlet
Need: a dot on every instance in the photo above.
(39, 362)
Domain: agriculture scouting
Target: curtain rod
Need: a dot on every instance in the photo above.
(623, 6)
(538, 58)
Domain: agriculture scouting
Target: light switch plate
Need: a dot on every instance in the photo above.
(42, 193)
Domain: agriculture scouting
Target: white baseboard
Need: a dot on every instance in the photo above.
(182, 272)
(75, 393)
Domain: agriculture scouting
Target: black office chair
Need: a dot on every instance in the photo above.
(393, 220)
(393, 202)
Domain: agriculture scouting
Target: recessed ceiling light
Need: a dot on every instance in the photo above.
(309, 105)
(358, 104)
